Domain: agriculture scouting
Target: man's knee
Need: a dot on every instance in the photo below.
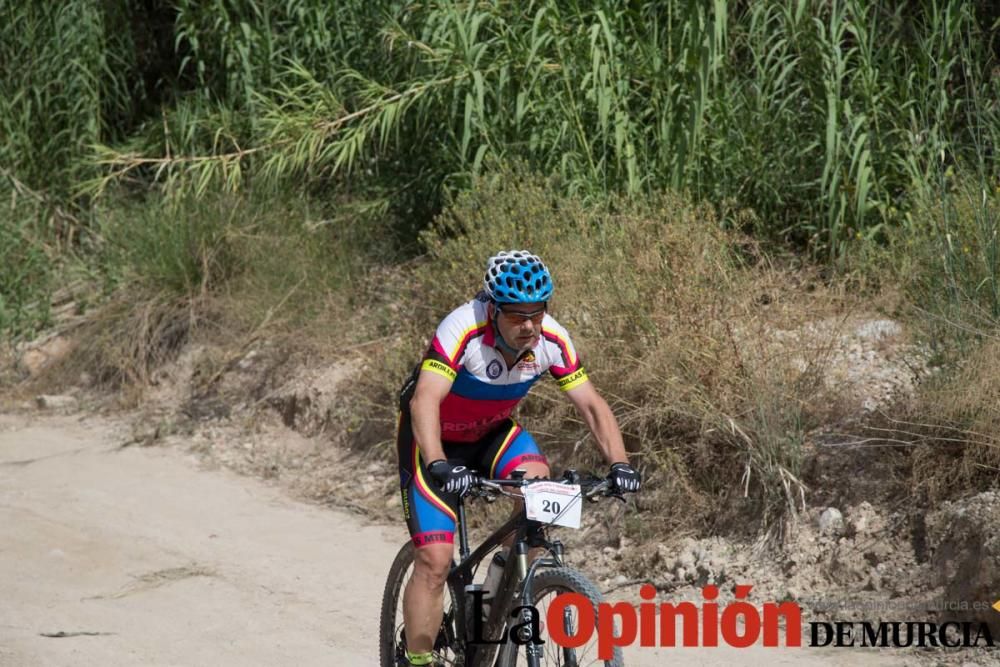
(432, 563)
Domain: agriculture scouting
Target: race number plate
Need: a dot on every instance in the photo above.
(550, 502)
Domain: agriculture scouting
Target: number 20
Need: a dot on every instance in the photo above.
(551, 506)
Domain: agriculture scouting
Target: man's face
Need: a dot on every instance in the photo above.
(520, 324)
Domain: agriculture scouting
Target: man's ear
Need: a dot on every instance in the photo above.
(491, 310)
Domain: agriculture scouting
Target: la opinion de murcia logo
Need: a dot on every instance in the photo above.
(739, 624)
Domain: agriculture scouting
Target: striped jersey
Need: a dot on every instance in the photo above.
(484, 391)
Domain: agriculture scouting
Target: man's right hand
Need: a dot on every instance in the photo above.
(452, 479)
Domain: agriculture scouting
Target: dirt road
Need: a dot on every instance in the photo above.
(136, 557)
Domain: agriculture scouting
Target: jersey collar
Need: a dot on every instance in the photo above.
(489, 338)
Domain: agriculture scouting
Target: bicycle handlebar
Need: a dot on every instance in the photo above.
(590, 486)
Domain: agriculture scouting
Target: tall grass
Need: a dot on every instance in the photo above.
(24, 273)
(165, 80)
(231, 269)
(64, 86)
(823, 117)
(953, 261)
(954, 428)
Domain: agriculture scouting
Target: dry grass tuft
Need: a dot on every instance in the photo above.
(120, 345)
(956, 428)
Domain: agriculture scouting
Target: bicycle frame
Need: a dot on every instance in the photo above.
(527, 534)
(512, 608)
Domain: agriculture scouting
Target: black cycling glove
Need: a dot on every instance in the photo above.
(452, 479)
(624, 478)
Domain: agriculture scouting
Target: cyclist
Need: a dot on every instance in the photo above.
(455, 415)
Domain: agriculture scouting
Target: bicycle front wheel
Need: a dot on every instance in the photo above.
(546, 585)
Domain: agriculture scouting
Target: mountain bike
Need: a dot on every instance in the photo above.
(512, 630)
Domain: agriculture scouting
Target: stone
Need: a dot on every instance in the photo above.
(865, 519)
(55, 402)
(38, 356)
(831, 522)
(878, 329)
(247, 362)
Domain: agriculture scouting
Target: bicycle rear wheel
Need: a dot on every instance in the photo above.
(392, 638)
(547, 584)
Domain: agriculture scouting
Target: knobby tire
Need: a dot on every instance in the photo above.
(561, 580)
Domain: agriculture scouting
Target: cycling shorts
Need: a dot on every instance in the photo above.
(431, 513)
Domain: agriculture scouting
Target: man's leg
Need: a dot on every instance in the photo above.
(430, 517)
(423, 599)
(515, 449)
(512, 449)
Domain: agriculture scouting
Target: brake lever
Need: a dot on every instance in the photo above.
(598, 491)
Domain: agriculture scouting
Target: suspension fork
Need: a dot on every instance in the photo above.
(534, 652)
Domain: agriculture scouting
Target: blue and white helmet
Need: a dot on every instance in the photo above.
(517, 276)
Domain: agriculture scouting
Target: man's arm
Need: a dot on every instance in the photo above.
(425, 409)
(601, 420)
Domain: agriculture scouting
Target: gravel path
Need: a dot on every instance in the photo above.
(133, 556)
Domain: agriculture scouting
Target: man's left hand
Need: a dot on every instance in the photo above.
(625, 478)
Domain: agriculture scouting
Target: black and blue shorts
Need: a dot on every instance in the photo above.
(431, 513)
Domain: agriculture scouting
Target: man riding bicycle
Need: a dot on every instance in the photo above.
(455, 417)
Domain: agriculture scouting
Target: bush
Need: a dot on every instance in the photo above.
(180, 247)
(25, 271)
(232, 267)
(954, 428)
(947, 265)
(949, 262)
(664, 309)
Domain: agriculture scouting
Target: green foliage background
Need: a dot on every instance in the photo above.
(835, 122)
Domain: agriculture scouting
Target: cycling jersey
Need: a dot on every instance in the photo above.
(484, 391)
(476, 428)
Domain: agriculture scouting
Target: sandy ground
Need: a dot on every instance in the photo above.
(140, 558)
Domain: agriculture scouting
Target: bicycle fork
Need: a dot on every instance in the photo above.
(532, 651)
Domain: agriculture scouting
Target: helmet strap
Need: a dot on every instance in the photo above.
(498, 337)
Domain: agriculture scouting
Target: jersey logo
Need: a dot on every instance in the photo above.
(528, 362)
(494, 369)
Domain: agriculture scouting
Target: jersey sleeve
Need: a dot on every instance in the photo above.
(446, 352)
(568, 370)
